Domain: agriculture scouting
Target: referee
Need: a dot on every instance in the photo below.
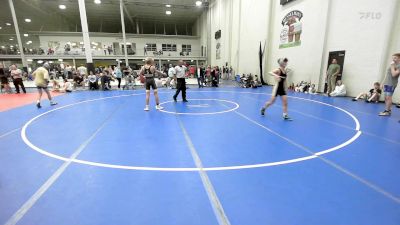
(180, 72)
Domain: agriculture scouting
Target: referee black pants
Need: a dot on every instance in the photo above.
(17, 83)
(181, 86)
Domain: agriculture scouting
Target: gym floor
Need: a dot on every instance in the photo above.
(97, 158)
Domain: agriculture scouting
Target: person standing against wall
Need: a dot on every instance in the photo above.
(118, 75)
(390, 83)
(4, 80)
(200, 76)
(180, 71)
(171, 76)
(16, 75)
(331, 75)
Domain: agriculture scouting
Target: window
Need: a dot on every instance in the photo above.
(168, 47)
(186, 48)
(151, 47)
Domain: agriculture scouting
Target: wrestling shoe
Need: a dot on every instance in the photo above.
(287, 118)
(385, 113)
(159, 107)
(53, 103)
(146, 108)
(38, 105)
(262, 111)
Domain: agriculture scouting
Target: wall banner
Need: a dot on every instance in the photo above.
(292, 28)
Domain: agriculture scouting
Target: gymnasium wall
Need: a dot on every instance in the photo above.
(329, 25)
(363, 29)
(304, 60)
(395, 46)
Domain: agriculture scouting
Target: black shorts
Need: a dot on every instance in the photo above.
(39, 87)
(150, 83)
(281, 90)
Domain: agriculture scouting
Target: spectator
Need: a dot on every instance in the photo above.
(105, 79)
(82, 70)
(372, 96)
(331, 75)
(340, 90)
(67, 87)
(56, 86)
(129, 82)
(200, 76)
(16, 75)
(68, 72)
(118, 75)
(312, 90)
(171, 77)
(93, 82)
(390, 83)
(159, 82)
(79, 81)
(4, 80)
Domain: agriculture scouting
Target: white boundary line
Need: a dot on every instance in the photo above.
(212, 195)
(187, 169)
(206, 113)
(17, 216)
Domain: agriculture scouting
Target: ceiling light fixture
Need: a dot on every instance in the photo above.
(28, 20)
(26, 35)
(62, 6)
(199, 3)
(97, 1)
(1, 28)
(60, 60)
(8, 24)
(29, 60)
(168, 12)
(11, 39)
(168, 6)
(40, 61)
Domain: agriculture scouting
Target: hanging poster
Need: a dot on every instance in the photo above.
(291, 29)
(218, 51)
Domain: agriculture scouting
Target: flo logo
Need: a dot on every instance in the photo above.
(292, 28)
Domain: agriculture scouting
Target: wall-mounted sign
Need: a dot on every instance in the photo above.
(292, 28)
(218, 51)
(284, 2)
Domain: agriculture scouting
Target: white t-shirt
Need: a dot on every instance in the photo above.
(67, 86)
(171, 72)
(339, 90)
(159, 83)
(17, 73)
(82, 70)
(92, 78)
(180, 71)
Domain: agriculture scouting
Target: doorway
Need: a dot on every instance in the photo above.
(339, 56)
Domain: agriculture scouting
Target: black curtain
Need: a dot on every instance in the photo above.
(260, 55)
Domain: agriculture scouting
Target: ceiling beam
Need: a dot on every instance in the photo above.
(129, 16)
